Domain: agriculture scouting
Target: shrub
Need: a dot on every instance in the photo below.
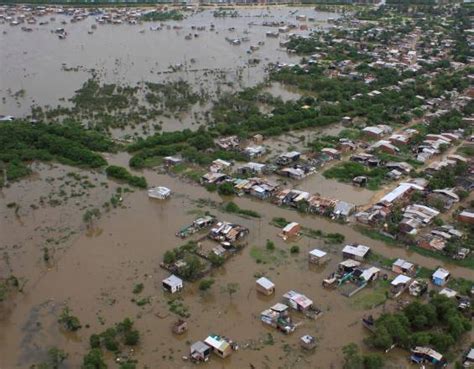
(205, 284)
(295, 249)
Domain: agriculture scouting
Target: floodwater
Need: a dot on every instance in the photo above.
(93, 271)
(94, 274)
(39, 64)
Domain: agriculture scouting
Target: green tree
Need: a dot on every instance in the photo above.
(206, 284)
(69, 321)
(94, 360)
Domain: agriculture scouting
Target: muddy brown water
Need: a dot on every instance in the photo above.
(33, 61)
(95, 272)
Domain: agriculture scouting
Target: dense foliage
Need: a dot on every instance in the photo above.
(123, 174)
(438, 323)
(159, 16)
(21, 142)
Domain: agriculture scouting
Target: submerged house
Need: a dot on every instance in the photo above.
(291, 230)
(399, 285)
(420, 355)
(298, 301)
(277, 316)
(172, 284)
(228, 232)
(199, 351)
(317, 256)
(265, 286)
(219, 345)
(288, 158)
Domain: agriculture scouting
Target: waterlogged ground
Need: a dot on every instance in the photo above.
(94, 272)
(38, 68)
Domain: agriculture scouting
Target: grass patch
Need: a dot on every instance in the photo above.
(263, 255)
(329, 238)
(376, 235)
(233, 208)
(346, 171)
(466, 263)
(371, 297)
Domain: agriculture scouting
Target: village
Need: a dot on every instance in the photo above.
(322, 216)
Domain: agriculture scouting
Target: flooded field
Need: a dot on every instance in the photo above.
(94, 273)
(130, 53)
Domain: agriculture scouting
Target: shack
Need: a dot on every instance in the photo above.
(180, 326)
(297, 301)
(277, 317)
(219, 345)
(401, 266)
(317, 256)
(399, 285)
(440, 277)
(420, 355)
(290, 230)
(200, 351)
(172, 284)
(356, 252)
(265, 286)
(159, 192)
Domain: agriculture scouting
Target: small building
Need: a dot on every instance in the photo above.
(440, 277)
(219, 345)
(170, 161)
(254, 151)
(401, 266)
(180, 326)
(297, 301)
(448, 292)
(360, 181)
(277, 316)
(420, 355)
(399, 285)
(385, 146)
(290, 230)
(466, 216)
(213, 178)
(265, 286)
(356, 252)
(200, 351)
(343, 209)
(288, 157)
(317, 256)
(219, 165)
(308, 342)
(469, 359)
(159, 192)
(293, 173)
(331, 153)
(370, 274)
(172, 284)
(251, 168)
